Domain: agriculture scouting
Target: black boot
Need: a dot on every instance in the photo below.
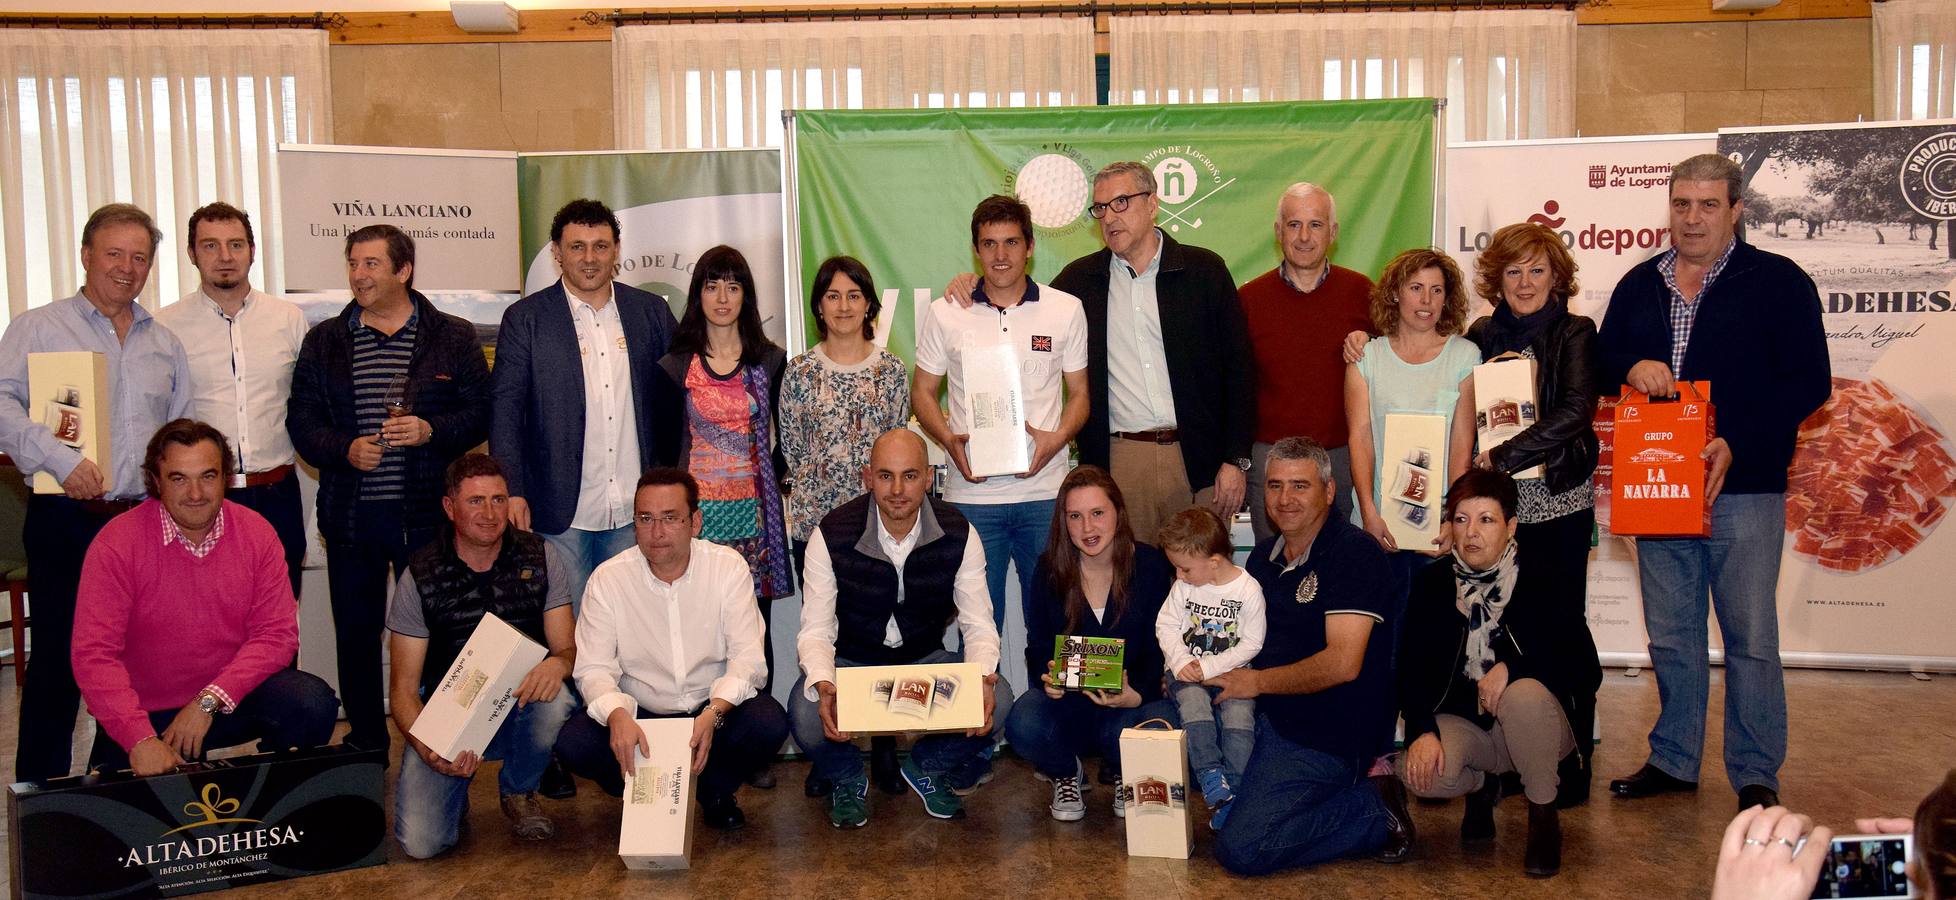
(815, 786)
(1477, 824)
(1544, 856)
(557, 783)
(883, 768)
(1399, 825)
(1574, 773)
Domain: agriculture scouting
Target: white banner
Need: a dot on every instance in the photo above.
(459, 206)
(1607, 198)
(1867, 210)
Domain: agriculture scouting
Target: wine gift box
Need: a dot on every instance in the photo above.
(891, 699)
(656, 831)
(478, 693)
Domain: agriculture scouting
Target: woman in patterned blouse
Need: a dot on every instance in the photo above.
(725, 376)
(837, 397)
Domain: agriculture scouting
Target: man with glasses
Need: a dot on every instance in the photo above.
(1169, 371)
(669, 628)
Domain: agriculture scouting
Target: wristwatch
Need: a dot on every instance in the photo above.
(719, 718)
(1241, 462)
(208, 702)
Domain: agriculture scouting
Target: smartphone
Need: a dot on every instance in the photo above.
(1867, 865)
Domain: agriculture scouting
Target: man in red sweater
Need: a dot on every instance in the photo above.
(1298, 315)
(185, 623)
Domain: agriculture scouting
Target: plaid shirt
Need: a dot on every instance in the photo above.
(174, 535)
(1685, 312)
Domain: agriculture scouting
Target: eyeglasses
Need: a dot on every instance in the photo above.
(1118, 204)
(666, 521)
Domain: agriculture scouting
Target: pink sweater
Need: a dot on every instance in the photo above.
(154, 624)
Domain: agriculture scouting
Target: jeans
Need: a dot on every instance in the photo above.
(936, 753)
(1015, 533)
(1054, 734)
(288, 709)
(1299, 807)
(582, 551)
(278, 502)
(1341, 496)
(1202, 718)
(57, 534)
(358, 572)
(429, 806)
(1738, 567)
(751, 737)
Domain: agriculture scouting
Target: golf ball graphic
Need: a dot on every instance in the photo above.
(1054, 187)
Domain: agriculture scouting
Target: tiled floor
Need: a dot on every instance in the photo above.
(1862, 743)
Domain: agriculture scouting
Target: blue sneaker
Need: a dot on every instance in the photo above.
(965, 780)
(1215, 787)
(1220, 816)
(936, 794)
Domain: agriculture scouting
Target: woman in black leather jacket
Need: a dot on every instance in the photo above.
(1527, 273)
(1490, 673)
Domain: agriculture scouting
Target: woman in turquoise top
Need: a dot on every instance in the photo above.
(1421, 364)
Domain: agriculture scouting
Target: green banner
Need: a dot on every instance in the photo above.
(895, 188)
(671, 207)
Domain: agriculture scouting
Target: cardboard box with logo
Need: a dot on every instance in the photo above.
(1155, 781)
(478, 693)
(892, 699)
(230, 823)
(1658, 471)
(68, 391)
(656, 831)
(1413, 478)
(1505, 403)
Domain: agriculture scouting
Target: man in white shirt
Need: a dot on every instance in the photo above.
(242, 345)
(886, 575)
(670, 628)
(1042, 333)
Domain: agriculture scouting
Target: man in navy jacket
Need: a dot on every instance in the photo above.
(1714, 308)
(574, 394)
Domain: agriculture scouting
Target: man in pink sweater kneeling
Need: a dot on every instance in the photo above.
(185, 623)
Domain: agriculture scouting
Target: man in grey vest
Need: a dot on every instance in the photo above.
(479, 565)
(886, 574)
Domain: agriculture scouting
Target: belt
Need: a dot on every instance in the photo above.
(269, 476)
(108, 507)
(1157, 436)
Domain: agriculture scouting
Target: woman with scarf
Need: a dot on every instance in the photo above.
(1527, 273)
(1489, 672)
(722, 387)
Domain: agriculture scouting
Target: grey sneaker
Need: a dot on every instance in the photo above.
(526, 818)
(1067, 805)
(1120, 800)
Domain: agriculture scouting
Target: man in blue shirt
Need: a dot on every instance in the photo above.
(1322, 685)
(149, 384)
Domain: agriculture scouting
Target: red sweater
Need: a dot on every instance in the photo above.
(154, 624)
(1297, 339)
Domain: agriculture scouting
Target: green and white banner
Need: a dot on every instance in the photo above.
(895, 188)
(671, 206)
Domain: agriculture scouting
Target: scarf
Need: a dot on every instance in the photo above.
(771, 567)
(1515, 334)
(1482, 596)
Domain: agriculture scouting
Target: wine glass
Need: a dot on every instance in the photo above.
(395, 400)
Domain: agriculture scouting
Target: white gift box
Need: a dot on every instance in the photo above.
(1413, 478)
(994, 395)
(946, 696)
(478, 693)
(68, 391)
(1155, 781)
(1505, 404)
(656, 831)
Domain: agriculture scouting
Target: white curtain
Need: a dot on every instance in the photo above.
(1505, 75)
(167, 120)
(709, 86)
(1915, 59)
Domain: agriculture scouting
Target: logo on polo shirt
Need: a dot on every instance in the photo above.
(1042, 343)
(1307, 590)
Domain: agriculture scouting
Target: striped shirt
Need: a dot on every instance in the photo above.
(378, 359)
(1685, 312)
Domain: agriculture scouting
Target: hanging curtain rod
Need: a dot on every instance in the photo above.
(1066, 9)
(326, 21)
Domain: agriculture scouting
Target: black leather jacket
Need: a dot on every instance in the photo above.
(1562, 440)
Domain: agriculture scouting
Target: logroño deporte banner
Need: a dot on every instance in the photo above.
(895, 188)
(1607, 199)
(1867, 211)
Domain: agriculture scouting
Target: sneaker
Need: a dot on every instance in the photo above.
(968, 778)
(1120, 800)
(937, 796)
(1215, 787)
(526, 818)
(849, 803)
(1067, 805)
(1221, 815)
